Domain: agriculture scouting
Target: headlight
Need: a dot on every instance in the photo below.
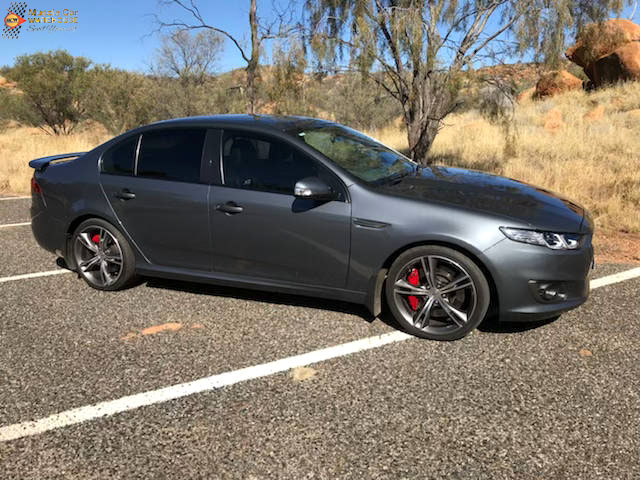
(555, 241)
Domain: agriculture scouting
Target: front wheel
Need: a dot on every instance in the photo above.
(102, 256)
(436, 292)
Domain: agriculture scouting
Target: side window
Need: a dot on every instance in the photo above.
(172, 154)
(118, 160)
(258, 163)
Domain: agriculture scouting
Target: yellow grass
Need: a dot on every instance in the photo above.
(594, 161)
(18, 145)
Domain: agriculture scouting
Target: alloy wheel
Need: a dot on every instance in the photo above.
(435, 294)
(98, 256)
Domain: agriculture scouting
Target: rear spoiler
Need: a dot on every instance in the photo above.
(40, 164)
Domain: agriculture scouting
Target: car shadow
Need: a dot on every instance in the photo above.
(493, 325)
(489, 325)
(240, 293)
(272, 297)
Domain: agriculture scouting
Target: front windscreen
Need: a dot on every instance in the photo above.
(355, 152)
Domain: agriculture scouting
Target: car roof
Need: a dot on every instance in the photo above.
(281, 123)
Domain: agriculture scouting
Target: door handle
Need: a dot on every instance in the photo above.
(125, 195)
(230, 208)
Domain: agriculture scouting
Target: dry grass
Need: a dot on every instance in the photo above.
(18, 145)
(583, 146)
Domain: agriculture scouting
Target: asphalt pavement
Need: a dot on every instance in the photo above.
(554, 400)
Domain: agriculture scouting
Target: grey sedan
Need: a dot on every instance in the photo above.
(310, 207)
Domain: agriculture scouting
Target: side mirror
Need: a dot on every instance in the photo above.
(315, 189)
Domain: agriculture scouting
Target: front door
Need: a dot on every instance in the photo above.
(260, 230)
(162, 200)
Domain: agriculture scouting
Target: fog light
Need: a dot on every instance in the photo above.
(549, 292)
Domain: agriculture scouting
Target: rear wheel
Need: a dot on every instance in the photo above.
(437, 293)
(102, 255)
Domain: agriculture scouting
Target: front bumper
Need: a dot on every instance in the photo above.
(523, 274)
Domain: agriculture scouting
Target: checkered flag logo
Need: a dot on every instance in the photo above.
(17, 8)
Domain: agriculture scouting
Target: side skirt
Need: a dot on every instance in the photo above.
(231, 280)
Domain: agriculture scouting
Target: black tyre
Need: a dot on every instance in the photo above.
(102, 256)
(436, 292)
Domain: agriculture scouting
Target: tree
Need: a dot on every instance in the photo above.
(418, 50)
(285, 82)
(14, 107)
(56, 89)
(120, 100)
(260, 31)
(189, 57)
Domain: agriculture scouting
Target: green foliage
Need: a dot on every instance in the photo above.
(14, 107)
(60, 91)
(354, 100)
(56, 89)
(172, 99)
(285, 83)
(120, 99)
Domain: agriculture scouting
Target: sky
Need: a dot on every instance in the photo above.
(120, 32)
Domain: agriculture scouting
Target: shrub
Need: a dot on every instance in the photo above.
(120, 99)
(56, 90)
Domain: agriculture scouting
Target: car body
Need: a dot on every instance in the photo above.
(202, 220)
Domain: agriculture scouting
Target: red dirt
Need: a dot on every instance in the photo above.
(617, 247)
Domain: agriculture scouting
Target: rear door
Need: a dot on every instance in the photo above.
(156, 183)
(261, 230)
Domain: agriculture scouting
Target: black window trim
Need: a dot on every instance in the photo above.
(223, 132)
(209, 167)
(135, 160)
(271, 137)
(114, 146)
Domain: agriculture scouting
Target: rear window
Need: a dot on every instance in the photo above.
(172, 155)
(119, 159)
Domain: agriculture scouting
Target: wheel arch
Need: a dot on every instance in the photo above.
(375, 294)
(68, 258)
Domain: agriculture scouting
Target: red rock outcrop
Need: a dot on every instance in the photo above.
(608, 52)
(557, 81)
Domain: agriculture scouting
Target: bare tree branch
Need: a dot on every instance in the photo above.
(281, 26)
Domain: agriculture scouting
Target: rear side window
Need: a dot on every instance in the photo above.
(172, 155)
(119, 159)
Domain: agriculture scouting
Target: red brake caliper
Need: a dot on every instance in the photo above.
(96, 238)
(413, 279)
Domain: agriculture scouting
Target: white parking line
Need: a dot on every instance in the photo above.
(615, 278)
(131, 402)
(22, 224)
(25, 276)
(13, 198)
(102, 409)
